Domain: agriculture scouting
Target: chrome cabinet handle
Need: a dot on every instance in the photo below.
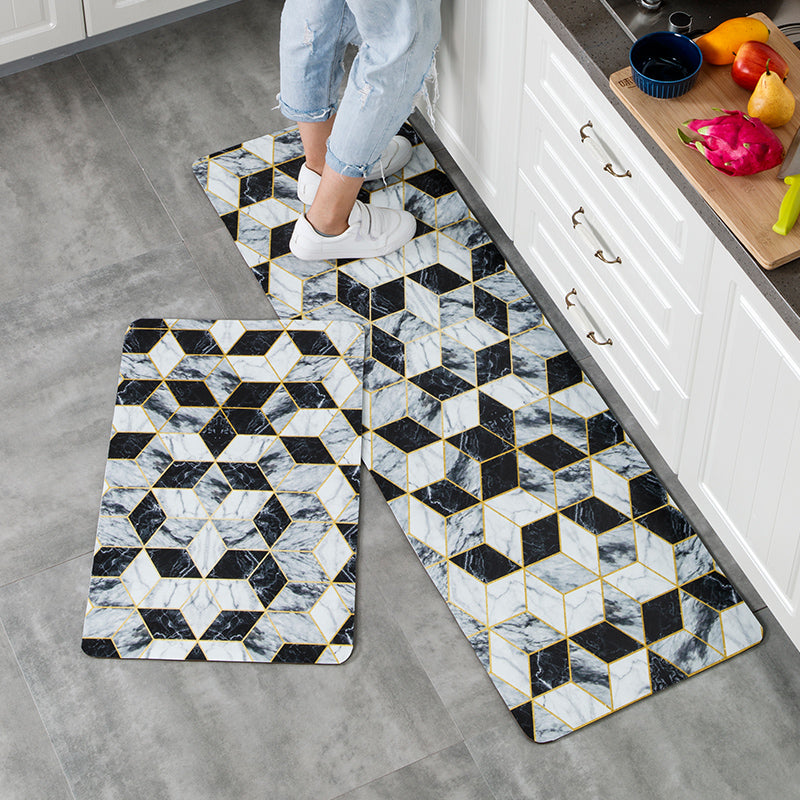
(598, 252)
(595, 146)
(591, 336)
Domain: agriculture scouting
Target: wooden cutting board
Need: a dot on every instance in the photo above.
(747, 204)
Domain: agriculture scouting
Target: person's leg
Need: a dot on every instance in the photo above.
(315, 142)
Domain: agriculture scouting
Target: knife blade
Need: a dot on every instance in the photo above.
(789, 173)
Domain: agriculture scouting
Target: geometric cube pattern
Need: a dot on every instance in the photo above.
(579, 584)
(229, 517)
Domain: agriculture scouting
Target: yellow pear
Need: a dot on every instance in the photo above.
(772, 101)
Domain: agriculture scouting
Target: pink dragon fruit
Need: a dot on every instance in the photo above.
(735, 143)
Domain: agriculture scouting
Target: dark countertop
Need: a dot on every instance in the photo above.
(601, 46)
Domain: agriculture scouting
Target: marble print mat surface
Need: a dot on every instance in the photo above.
(229, 518)
(580, 585)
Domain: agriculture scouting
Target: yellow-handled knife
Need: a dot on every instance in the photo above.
(789, 173)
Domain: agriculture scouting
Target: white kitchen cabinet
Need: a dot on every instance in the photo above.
(105, 15)
(741, 460)
(32, 26)
(595, 214)
(480, 65)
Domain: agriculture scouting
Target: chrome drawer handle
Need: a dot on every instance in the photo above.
(598, 253)
(591, 336)
(603, 156)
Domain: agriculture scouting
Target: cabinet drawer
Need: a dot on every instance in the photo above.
(644, 197)
(645, 385)
(665, 323)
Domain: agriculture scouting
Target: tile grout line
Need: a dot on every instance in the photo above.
(38, 711)
(45, 569)
(147, 178)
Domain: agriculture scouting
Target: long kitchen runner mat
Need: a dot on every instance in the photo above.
(229, 518)
(580, 585)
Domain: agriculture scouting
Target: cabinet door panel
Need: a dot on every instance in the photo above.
(33, 26)
(742, 450)
(480, 63)
(105, 15)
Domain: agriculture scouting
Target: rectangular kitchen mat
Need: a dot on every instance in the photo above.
(580, 585)
(229, 518)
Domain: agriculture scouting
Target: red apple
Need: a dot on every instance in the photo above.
(751, 63)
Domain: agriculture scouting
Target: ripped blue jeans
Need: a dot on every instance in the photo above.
(396, 41)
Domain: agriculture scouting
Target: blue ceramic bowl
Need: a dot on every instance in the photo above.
(665, 64)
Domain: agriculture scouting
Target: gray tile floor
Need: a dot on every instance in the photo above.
(103, 222)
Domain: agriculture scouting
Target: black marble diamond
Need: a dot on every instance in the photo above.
(272, 520)
(279, 240)
(388, 350)
(128, 445)
(352, 473)
(493, 362)
(298, 654)
(346, 633)
(231, 221)
(261, 272)
(236, 564)
(255, 187)
(113, 561)
(407, 434)
(662, 673)
(479, 443)
(562, 371)
(540, 539)
(606, 642)
(647, 494)
(267, 580)
(292, 167)
(254, 343)
(217, 434)
(387, 298)
(99, 648)
(197, 343)
(499, 475)
(150, 322)
(348, 572)
(350, 293)
(438, 279)
(354, 417)
(662, 616)
(433, 182)
(604, 431)
(714, 589)
(594, 515)
(249, 421)
(496, 417)
(166, 623)
(134, 393)
(224, 150)
(141, 340)
(250, 394)
(307, 450)
(244, 475)
(486, 260)
(183, 474)
(147, 517)
(492, 310)
(231, 626)
(196, 654)
(191, 393)
(173, 562)
(549, 668)
(441, 383)
(485, 563)
(388, 489)
(310, 394)
(445, 497)
(313, 343)
(422, 228)
(668, 523)
(524, 716)
(553, 452)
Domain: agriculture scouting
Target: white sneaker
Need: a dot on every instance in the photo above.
(394, 158)
(374, 231)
